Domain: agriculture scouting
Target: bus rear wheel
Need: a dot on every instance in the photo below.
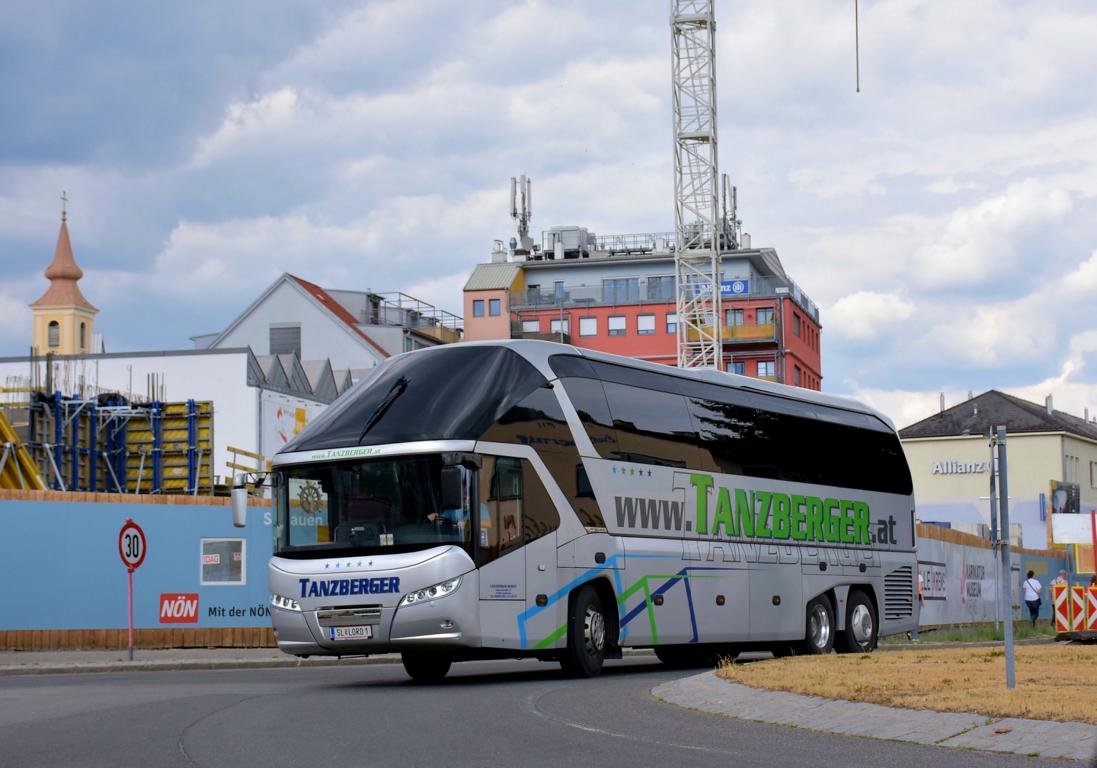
(586, 650)
(425, 667)
(819, 627)
(861, 632)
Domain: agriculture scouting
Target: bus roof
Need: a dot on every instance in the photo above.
(538, 353)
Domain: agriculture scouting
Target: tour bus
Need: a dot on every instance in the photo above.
(531, 499)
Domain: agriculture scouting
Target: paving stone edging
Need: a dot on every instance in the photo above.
(708, 693)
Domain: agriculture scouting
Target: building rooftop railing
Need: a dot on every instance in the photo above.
(646, 291)
(398, 308)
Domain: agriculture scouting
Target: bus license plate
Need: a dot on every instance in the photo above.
(352, 633)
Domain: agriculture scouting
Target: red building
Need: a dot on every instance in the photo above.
(622, 301)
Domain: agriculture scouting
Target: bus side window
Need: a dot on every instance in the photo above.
(515, 508)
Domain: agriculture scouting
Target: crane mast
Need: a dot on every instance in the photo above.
(696, 189)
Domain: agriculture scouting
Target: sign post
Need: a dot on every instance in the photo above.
(131, 548)
(1006, 576)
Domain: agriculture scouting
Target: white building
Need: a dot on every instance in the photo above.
(355, 330)
(258, 403)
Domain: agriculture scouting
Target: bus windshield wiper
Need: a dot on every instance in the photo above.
(382, 408)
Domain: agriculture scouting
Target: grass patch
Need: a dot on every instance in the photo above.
(1053, 681)
(974, 633)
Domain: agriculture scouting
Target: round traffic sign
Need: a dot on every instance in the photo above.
(131, 545)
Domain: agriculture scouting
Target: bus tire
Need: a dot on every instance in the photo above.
(818, 627)
(425, 667)
(586, 649)
(862, 631)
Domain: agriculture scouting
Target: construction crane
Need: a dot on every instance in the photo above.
(697, 226)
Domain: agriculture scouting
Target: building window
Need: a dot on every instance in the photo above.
(796, 375)
(558, 326)
(54, 334)
(661, 288)
(764, 316)
(83, 335)
(477, 307)
(645, 325)
(672, 322)
(531, 326)
(766, 368)
(739, 368)
(733, 317)
(617, 325)
(625, 290)
(795, 323)
(558, 290)
(588, 326)
(1093, 474)
(493, 307)
(285, 339)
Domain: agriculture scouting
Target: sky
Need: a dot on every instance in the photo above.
(944, 218)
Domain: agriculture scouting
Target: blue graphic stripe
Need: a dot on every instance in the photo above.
(584, 577)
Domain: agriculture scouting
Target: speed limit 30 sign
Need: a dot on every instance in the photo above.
(131, 545)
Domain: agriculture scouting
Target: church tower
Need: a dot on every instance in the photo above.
(63, 319)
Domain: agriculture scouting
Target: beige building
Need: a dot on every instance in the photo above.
(949, 459)
(64, 321)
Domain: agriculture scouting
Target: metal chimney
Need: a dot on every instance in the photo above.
(1048, 403)
(942, 402)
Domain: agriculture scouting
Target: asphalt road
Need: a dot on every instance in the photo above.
(484, 714)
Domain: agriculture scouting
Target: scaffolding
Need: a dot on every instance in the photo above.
(112, 445)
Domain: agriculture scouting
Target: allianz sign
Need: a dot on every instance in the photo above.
(960, 467)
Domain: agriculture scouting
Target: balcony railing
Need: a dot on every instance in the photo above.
(744, 334)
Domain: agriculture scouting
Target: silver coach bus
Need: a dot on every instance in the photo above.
(525, 498)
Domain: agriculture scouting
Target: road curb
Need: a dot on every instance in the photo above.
(708, 693)
(167, 666)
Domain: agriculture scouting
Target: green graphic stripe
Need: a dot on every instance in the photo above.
(640, 584)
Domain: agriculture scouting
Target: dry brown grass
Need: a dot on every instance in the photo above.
(1054, 682)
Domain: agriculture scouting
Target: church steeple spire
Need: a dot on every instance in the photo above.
(62, 316)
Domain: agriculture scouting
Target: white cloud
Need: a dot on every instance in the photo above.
(979, 241)
(866, 315)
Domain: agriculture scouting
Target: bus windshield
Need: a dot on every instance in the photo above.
(365, 508)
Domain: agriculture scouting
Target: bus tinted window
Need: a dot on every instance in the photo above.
(653, 427)
(735, 431)
(453, 394)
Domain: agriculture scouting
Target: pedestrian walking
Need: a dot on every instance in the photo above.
(1032, 595)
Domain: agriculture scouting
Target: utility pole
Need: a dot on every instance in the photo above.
(1005, 585)
(696, 185)
(994, 529)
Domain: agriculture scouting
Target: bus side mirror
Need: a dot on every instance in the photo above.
(240, 500)
(452, 480)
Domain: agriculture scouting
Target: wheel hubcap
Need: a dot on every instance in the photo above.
(861, 621)
(594, 631)
(819, 626)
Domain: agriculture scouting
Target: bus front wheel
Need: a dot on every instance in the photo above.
(819, 627)
(861, 633)
(425, 667)
(586, 650)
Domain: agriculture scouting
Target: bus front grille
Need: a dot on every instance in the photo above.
(899, 593)
(348, 615)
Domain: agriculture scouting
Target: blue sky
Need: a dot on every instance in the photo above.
(944, 218)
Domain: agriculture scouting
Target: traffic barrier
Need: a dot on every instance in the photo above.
(1091, 609)
(1077, 608)
(1061, 601)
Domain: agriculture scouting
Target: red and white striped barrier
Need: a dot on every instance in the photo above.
(1061, 601)
(1077, 608)
(1091, 609)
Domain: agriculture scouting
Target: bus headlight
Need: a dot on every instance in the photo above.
(285, 603)
(432, 592)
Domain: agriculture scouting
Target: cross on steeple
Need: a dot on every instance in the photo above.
(64, 203)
